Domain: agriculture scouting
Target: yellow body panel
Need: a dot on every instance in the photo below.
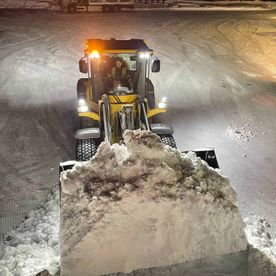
(126, 99)
(90, 114)
(156, 111)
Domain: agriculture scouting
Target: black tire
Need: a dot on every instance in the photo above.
(116, 8)
(86, 149)
(167, 139)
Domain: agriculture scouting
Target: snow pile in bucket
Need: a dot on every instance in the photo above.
(144, 205)
(34, 245)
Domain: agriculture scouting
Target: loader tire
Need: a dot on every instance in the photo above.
(167, 139)
(86, 149)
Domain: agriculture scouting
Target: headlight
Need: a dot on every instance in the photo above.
(163, 103)
(82, 106)
(144, 55)
(81, 102)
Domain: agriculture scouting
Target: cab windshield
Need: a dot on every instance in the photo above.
(117, 72)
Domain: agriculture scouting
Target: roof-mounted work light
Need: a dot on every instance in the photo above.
(95, 54)
(145, 55)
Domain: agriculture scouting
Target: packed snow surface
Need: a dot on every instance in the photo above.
(34, 245)
(147, 203)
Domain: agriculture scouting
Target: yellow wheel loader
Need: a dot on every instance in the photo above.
(112, 99)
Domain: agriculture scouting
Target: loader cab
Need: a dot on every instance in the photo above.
(102, 72)
(108, 108)
(137, 58)
(138, 67)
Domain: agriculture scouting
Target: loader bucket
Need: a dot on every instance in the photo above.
(132, 218)
(64, 166)
(208, 155)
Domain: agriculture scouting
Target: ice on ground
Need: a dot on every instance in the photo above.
(34, 245)
(241, 134)
(144, 205)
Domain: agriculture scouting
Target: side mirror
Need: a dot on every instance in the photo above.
(83, 66)
(155, 67)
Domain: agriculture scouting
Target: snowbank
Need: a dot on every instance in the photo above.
(142, 205)
(262, 253)
(34, 245)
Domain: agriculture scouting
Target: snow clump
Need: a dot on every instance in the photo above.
(34, 245)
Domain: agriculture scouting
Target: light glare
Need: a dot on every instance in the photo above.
(144, 55)
(162, 105)
(83, 108)
(95, 54)
(82, 102)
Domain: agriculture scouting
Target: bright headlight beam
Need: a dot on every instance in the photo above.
(82, 102)
(144, 55)
(163, 103)
(83, 108)
(95, 54)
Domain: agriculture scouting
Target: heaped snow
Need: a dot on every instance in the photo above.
(141, 205)
(34, 245)
(262, 252)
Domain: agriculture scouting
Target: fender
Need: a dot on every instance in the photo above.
(156, 111)
(91, 115)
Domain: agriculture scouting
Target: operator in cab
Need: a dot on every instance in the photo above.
(119, 75)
